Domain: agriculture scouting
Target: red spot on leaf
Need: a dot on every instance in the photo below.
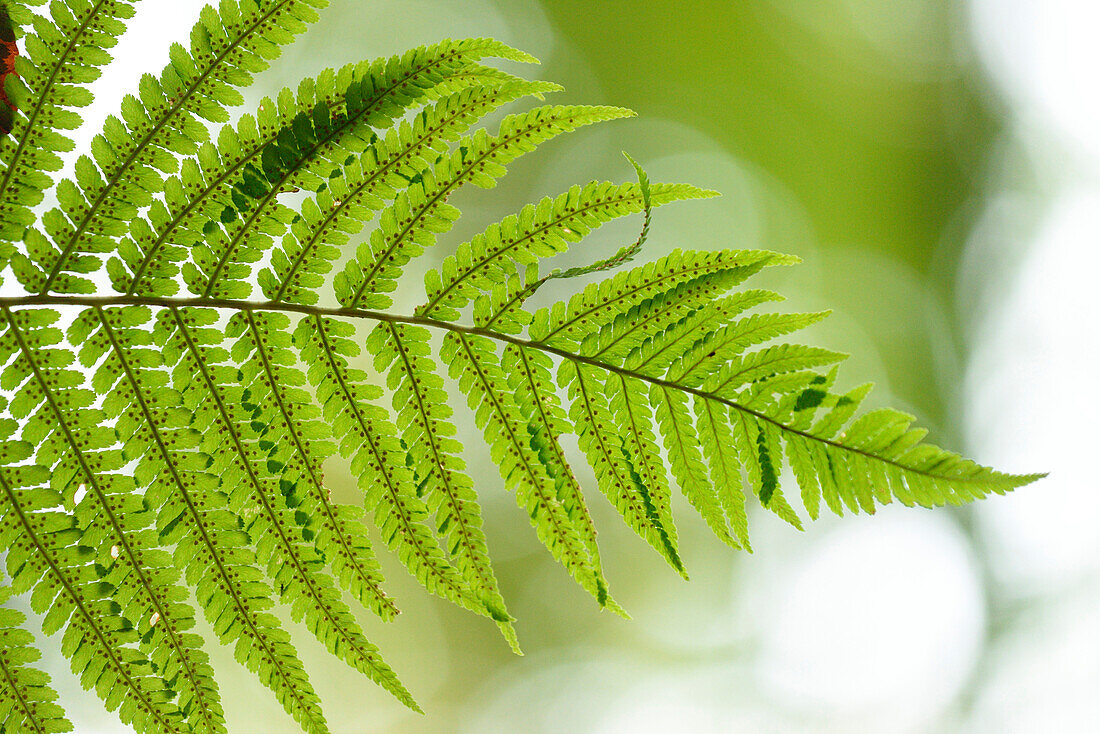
(8, 52)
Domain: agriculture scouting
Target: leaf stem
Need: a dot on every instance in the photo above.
(381, 316)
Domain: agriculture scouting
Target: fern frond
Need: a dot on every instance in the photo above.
(567, 323)
(626, 253)
(152, 428)
(160, 435)
(290, 425)
(628, 404)
(293, 141)
(370, 440)
(258, 496)
(716, 439)
(758, 447)
(61, 555)
(501, 307)
(297, 438)
(411, 224)
(228, 46)
(719, 347)
(475, 363)
(307, 153)
(113, 521)
(774, 360)
(538, 231)
(616, 474)
(261, 645)
(62, 56)
(654, 316)
(26, 699)
(656, 354)
(685, 459)
(531, 382)
(403, 354)
(384, 169)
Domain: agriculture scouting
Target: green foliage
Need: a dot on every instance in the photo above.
(157, 443)
(26, 700)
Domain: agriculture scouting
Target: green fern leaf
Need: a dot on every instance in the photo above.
(297, 140)
(475, 363)
(370, 440)
(159, 436)
(349, 200)
(627, 252)
(685, 459)
(293, 566)
(411, 223)
(309, 150)
(541, 230)
(758, 449)
(565, 324)
(722, 345)
(778, 359)
(716, 439)
(61, 554)
(629, 330)
(628, 403)
(112, 519)
(264, 355)
(228, 46)
(656, 354)
(155, 438)
(420, 403)
(26, 699)
(61, 57)
(530, 380)
(260, 644)
(607, 454)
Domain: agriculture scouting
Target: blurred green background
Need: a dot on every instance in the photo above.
(869, 139)
(854, 134)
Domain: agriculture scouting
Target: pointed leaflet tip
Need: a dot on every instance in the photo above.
(509, 633)
(499, 50)
(625, 253)
(643, 179)
(614, 607)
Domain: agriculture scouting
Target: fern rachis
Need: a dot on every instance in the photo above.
(185, 447)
